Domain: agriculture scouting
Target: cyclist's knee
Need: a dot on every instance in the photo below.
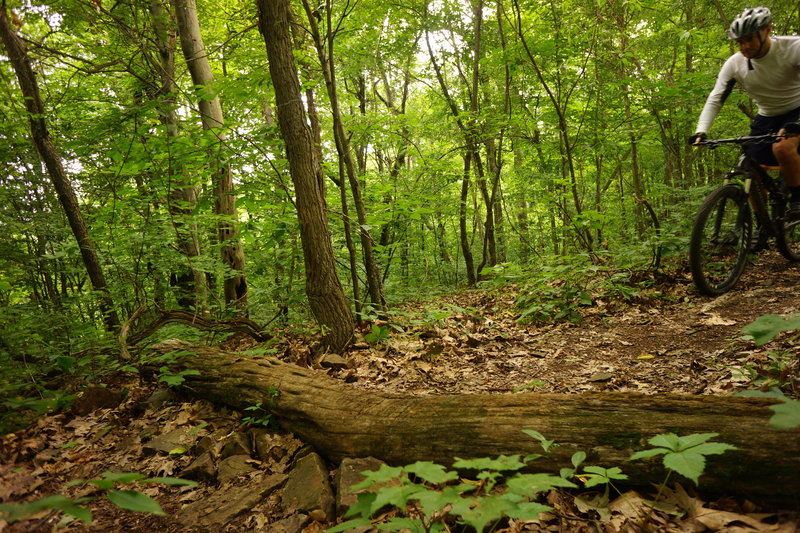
(786, 147)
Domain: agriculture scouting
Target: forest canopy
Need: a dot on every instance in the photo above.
(455, 142)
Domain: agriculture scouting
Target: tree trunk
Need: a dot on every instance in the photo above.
(194, 52)
(191, 282)
(342, 141)
(342, 421)
(466, 249)
(324, 290)
(18, 55)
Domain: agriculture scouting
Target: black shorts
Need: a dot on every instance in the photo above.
(762, 125)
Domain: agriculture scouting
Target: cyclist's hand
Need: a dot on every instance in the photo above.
(696, 138)
(792, 128)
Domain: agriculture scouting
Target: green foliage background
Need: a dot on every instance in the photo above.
(618, 88)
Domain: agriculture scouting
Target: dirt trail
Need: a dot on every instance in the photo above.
(671, 340)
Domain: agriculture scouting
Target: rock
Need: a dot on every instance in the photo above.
(222, 506)
(235, 444)
(308, 489)
(349, 474)
(46, 456)
(279, 449)
(94, 398)
(233, 467)
(211, 443)
(159, 399)
(292, 524)
(173, 441)
(333, 361)
(201, 469)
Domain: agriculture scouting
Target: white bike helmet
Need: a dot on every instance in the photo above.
(750, 21)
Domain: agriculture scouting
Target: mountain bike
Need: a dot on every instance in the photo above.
(723, 227)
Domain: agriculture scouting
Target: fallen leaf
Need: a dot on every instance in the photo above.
(716, 320)
(600, 377)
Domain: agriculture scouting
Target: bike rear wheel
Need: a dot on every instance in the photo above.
(720, 240)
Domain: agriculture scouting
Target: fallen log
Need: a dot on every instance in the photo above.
(340, 421)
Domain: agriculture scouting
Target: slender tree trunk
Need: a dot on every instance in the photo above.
(348, 239)
(324, 290)
(194, 51)
(466, 249)
(325, 53)
(18, 55)
(191, 284)
(470, 153)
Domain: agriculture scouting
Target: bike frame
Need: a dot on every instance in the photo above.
(758, 184)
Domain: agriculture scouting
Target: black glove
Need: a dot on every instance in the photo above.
(792, 127)
(699, 136)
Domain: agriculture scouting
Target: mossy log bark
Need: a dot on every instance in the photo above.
(340, 421)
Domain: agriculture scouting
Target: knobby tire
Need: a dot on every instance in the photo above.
(720, 240)
(788, 241)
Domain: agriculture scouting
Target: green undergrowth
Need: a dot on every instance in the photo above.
(561, 287)
(480, 494)
(118, 488)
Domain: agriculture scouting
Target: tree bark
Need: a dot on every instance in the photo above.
(342, 421)
(194, 52)
(40, 134)
(325, 294)
(191, 283)
(342, 141)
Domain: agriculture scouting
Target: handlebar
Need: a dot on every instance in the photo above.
(769, 138)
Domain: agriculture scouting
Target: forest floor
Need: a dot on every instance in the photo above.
(667, 340)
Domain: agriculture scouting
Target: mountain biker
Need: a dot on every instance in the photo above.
(768, 67)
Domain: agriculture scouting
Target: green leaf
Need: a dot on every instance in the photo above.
(686, 463)
(546, 444)
(502, 463)
(432, 501)
(430, 472)
(382, 475)
(712, 448)
(12, 512)
(597, 475)
(400, 524)
(363, 507)
(578, 458)
(767, 327)
(690, 441)
(350, 524)
(787, 414)
(652, 452)
(104, 484)
(171, 481)
(531, 484)
(81, 513)
(528, 511)
(487, 510)
(135, 501)
(123, 477)
(669, 441)
(396, 496)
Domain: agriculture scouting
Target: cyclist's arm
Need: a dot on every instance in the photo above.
(722, 89)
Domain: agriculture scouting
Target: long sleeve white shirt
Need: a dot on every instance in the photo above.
(773, 82)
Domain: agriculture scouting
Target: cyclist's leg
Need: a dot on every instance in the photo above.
(787, 155)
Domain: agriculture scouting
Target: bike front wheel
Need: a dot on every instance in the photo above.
(720, 240)
(788, 241)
